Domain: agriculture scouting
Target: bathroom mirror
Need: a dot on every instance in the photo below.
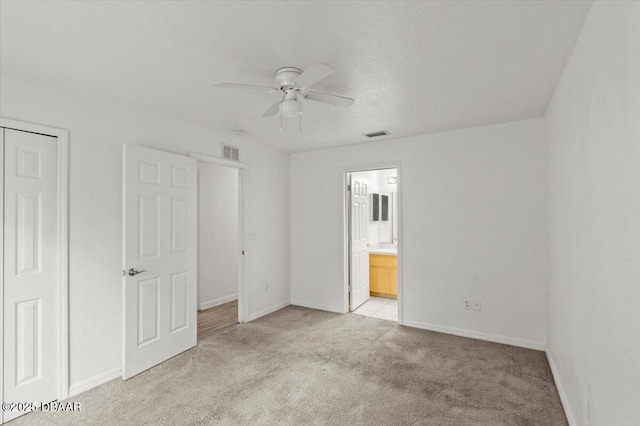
(384, 207)
(382, 217)
(375, 207)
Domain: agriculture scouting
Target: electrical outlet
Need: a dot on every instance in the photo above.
(253, 235)
(467, 303)
(477, 305)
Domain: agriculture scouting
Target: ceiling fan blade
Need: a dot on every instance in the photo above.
(244, 86)
(273, 110)
(326, 98)
(314, 74)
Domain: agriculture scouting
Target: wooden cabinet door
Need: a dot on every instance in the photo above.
(393, 281)
(378, 279)
(383, 275)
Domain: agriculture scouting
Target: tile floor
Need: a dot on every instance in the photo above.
(379, 307)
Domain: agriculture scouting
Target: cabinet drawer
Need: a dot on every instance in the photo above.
(383, 261)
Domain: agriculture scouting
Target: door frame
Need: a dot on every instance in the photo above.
(62, 137)
(243, 210)
(346, 171)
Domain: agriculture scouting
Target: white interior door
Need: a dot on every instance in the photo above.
(160, 257)
(359, 256)
(30, 269)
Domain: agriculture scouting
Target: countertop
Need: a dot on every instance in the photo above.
(384, 251)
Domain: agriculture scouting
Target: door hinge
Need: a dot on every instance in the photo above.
(349, 188)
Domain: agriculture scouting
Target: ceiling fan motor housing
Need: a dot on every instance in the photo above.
(285, 77)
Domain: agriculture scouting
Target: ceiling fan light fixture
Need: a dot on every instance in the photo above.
(291, 107)
(292, 83)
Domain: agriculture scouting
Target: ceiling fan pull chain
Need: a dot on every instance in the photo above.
(281, 119)
(300, 123)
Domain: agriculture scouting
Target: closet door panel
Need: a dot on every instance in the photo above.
(30, 269)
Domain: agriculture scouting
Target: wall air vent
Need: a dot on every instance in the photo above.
(230, 152)
(376, 134)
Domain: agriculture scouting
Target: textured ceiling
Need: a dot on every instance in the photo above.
(414, 67)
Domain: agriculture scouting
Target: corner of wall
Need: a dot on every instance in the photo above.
(561, 391)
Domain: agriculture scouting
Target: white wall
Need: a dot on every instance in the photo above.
(385, 186)
(218, 248)
(97, 131)
(593, 125)
(474, 226)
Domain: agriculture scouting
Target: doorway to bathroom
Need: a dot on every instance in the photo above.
(372, 235)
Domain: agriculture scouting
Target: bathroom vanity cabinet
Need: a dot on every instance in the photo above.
(383, 275)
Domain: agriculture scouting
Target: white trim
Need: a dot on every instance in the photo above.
(563, 395)
(216, 160)
(218, 301)
(123, 252)
(244, 307)
(346, 206)
(62, 183)
(496, 338)
(63, 253)
(269, 310)
(1, 270)
(363, 168)
(95, 381)
(316, 306)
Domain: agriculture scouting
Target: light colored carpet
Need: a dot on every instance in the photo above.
(301, 366)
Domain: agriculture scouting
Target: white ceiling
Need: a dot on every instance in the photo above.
(413, 68)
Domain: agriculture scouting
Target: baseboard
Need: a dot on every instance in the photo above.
(94, 381)
(529, 344)
(563, 395)
(385, 295)
(218, 301)
(315, 306)
(269, 310)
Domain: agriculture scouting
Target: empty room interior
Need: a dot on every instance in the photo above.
(318, 212)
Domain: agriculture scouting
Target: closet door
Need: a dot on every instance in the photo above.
(30, 254)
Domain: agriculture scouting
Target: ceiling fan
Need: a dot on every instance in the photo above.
(293, 82)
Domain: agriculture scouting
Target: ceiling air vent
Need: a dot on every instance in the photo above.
(231, 152)
(376, 134)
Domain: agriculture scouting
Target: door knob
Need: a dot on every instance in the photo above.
(133, 272)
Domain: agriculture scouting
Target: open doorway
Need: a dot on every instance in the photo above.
(160, 254)
(219, 247)
(372, 218)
